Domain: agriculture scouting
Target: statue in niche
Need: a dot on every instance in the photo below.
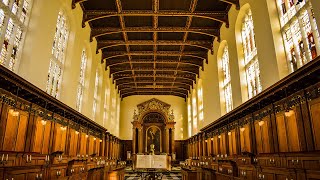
(153, 139)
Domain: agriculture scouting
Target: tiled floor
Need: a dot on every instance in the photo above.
(172, 176)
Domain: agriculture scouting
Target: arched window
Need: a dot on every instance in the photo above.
(95, 95)
(300, 32)
(13, 22)
(226, 79)
(58, 56)
(106, 105)
(83, 66)
(200, 101)
(250, 56)
(189, 119)
(194, 112)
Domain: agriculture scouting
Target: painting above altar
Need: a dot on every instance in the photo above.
(153, 136)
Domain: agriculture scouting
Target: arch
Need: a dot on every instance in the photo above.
(247, 56)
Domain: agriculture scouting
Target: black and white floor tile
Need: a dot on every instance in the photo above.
(169, 176)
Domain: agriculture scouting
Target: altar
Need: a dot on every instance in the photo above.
(152, 162)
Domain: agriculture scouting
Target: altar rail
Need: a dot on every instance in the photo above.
(274, 135)
(42, 138)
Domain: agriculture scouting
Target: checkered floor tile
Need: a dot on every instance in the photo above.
(171, 176)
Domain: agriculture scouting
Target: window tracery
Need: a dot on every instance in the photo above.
(81, 86)
(226, 81)
(299, 31)
(252, 69)
(95, 95)
(58, 55)
(13, 15)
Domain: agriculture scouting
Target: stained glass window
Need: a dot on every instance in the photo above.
(200, 101)
(194, 113)
(189, 119)
(106, 106)
(58, 55)
(95, 95)
(250, 57)
(83, 66)
(13, 15)
(226, 81)
(300, 32)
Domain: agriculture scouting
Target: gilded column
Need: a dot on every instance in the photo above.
(133, 141)
(140, 140)
(172, 141)
(167, 140)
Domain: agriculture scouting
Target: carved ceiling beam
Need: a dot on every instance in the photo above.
(148, 82)
(194, 71)
(74, 2)
(111, 43)
(125, 36)
(155, 9)
(190, 62)
(153, 93)
(221, 16)
(195, 54)
(232, 2)
(96, 32)
(124, 88)
(188, 77)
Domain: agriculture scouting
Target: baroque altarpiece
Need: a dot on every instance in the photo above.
(153, 127)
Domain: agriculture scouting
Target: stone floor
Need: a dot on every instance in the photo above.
(173, 176)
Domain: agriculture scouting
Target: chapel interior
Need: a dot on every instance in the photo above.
(159, 89)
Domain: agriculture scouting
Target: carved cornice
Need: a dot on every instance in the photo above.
(153, 105)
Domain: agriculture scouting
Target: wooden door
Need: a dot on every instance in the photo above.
(14, 129)
(41, 136)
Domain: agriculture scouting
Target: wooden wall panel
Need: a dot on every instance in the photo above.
(83, 144)
(315, 121)
(245, 138)
(292, 131)
(282, 133)
(232, 142)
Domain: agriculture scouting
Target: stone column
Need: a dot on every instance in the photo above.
(167, 140)
(172, 141)
(133, 140)
(140, 140)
